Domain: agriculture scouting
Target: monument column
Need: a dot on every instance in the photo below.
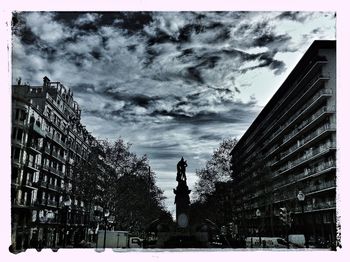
(182, 198)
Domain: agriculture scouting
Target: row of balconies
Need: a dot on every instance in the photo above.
(305, 158)
(307, 173)
(283, 195)
(311, 103)
(310, 84)
(301, 144)
(55, 105)
(53, 170)
(244, 195)
(58, 156)
(303, 124)
(297, 116)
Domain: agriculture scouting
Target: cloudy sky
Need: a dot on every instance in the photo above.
(173, 84)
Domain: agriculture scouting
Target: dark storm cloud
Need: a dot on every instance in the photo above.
(295, 16)
(269, 38)
(241, 113)
(135, 99)
(84, 87)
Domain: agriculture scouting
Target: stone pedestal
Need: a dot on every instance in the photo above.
(182, 201)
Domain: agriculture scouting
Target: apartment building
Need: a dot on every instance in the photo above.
(287, 157)
(47, 140)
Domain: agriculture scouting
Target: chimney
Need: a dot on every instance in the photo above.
(46, 81)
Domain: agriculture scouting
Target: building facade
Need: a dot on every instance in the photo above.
(284, 166)
(48, 139)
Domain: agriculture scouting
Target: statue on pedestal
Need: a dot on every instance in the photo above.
(182, 198)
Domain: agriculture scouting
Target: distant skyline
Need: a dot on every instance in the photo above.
(174, 83)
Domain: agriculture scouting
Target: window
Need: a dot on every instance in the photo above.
(17, 152)
(14, 132)
(23, 115)
(17, 114)
(19, 134)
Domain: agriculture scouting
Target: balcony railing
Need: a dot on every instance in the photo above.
(42, 183)
(28, 183)
(323, 186)
(51, 203)
(58, 141)
(53, 187)
(317, 206)
(58, 156)
(37, 129)
(22, 203)
(34, 146)
(56, 171)
(32, 165)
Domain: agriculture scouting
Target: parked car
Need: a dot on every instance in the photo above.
(266, 242)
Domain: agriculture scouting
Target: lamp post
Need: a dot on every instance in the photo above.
(67, 203)
(258, 215)
(301, 199)
(106, 215)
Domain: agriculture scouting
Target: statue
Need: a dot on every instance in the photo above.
(181, 170)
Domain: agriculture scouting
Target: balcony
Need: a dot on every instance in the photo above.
(59, 141)
(52, 203)
(20, 203)
(53, 187)
(58, 157)
(29, 184)
(45, 167)
(37, 130)
(34, 147)
(56, 139)
(326, 205)
(42, 184)
(47, 150)
(316, 189)
(56, 172)
(31, 165)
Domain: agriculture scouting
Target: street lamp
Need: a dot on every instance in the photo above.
(106, 215)
(67, 203)
(301, 199)
(258, 215)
